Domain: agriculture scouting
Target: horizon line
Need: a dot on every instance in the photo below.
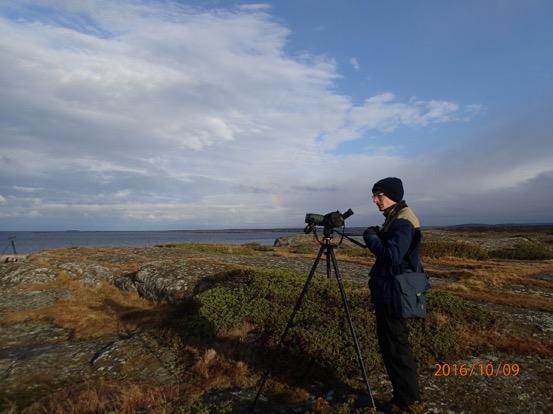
(513, 224)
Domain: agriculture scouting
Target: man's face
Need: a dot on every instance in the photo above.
(382, 201)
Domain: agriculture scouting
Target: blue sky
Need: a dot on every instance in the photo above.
(217, 114)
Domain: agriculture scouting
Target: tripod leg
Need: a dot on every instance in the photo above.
(328, 272)
(351, 328)
(290, 320)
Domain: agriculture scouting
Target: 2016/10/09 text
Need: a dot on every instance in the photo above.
(484, 369)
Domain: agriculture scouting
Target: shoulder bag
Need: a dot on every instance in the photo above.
(409, 292)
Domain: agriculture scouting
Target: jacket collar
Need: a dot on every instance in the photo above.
(391, 213)
(393, 210)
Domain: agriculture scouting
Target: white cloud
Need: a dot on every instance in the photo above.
(3, 200)
(23, 189)
(169, 114)
(255, 6)
(99, 166)
(385, 112)
(354, 63)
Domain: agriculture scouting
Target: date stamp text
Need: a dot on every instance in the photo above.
(484, 369)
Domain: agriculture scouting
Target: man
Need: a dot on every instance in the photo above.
(397, 249)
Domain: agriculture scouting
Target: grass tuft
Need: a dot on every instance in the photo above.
(94, 311)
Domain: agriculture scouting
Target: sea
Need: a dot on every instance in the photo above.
(33, 241)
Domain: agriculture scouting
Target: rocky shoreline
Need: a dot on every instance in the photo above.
(42, 352)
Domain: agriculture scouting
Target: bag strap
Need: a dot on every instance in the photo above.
(416, 239)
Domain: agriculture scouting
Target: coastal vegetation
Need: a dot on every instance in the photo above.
(191, 328)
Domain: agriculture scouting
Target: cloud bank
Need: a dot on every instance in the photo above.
(155, 115)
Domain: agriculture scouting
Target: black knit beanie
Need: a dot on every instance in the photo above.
(392, 187)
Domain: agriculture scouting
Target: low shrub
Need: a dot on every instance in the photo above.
(443, 248)
(265, 299)
(451, 319)
(523, 251)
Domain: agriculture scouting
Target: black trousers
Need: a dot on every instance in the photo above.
(393, 339)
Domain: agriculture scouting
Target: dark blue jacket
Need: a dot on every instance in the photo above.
(399, 236)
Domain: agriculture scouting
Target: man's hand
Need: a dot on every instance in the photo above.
(371, 232)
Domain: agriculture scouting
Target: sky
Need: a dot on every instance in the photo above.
(162, 115)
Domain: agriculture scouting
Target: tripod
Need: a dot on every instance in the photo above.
(328, 249)
(11, 244)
